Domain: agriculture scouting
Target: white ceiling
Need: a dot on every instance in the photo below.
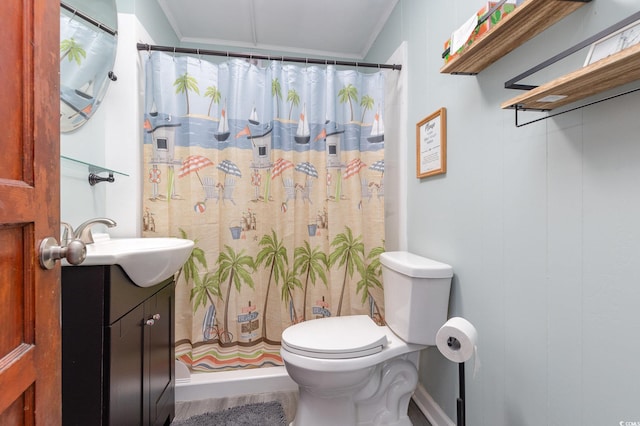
(333, 28)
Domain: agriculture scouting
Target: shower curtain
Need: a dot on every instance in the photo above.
(276, 172)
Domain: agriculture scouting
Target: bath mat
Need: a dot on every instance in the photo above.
(263, 414)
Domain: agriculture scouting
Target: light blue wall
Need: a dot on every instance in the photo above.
(540, 223)
(151, 17)
(110, 138)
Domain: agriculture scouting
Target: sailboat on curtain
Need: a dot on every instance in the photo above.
(223, 126)
(153, 112)
(253, 117)
(303, 134)
(377, 129)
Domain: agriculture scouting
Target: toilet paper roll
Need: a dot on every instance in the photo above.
(457, 340)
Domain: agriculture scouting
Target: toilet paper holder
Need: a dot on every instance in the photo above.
(456, 340)
(454, 343)
(461, 412)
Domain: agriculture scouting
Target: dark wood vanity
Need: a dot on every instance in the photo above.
(118, 365)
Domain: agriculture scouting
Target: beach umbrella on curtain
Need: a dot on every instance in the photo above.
(279, 167)
(353, 167)
(229, 168)
(378, 166)
(307, 168)
(193, 163)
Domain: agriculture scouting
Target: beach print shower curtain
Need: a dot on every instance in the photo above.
(276, 172)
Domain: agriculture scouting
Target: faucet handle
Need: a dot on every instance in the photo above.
(67, 234)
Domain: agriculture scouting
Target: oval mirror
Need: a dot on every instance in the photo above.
(88, 38)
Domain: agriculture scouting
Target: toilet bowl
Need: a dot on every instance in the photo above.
(351, 371)
(344, 385)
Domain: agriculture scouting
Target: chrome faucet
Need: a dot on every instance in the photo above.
(83, 233)
(67, 235)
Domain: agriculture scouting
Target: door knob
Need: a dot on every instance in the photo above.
(74, 252)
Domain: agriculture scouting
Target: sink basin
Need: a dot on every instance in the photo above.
(147, 261)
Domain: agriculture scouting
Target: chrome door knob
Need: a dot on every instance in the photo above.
(75, 252)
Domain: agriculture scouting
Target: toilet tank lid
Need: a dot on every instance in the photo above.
(413, 265)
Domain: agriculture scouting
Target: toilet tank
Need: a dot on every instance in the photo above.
(416, 295)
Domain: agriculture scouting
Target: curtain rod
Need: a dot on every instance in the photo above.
(148, 47)
(89, 19)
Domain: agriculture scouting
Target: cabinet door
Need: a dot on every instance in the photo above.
(125, 369)
(160, 357)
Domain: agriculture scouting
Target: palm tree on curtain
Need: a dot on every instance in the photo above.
(313, 263)
(294, 98)
(349, 251)
(205, 289)
(371, 278)
(72, 50)
(276, 91)
(235, 268)
(183, 84)
(273, 255)
(190, 267)
(348, 93)
(366, 103)
(289, 283)
(215, 95)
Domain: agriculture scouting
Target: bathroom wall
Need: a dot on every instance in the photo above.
(112, 137)
(540, 224)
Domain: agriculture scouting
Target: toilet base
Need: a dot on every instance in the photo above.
(382, 399)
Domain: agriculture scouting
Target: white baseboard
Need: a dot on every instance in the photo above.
(431, 410)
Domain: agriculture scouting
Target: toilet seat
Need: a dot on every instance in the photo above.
(335, 337)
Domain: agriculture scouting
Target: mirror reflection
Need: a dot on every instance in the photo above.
(88, 36)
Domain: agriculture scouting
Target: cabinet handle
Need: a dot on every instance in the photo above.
(152, 320)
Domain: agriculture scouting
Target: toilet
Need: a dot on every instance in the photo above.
(351, 371)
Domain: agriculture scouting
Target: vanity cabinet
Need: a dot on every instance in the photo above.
(118, 364)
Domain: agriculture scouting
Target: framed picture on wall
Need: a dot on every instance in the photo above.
(614, 43)
(431, 144)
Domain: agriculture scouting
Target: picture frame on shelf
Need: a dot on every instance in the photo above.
(431, 144)
(614, 43)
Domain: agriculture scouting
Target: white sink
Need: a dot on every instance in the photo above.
(147, 261)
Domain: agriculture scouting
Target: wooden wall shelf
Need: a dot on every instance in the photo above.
(525, 22)
(618, 69)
